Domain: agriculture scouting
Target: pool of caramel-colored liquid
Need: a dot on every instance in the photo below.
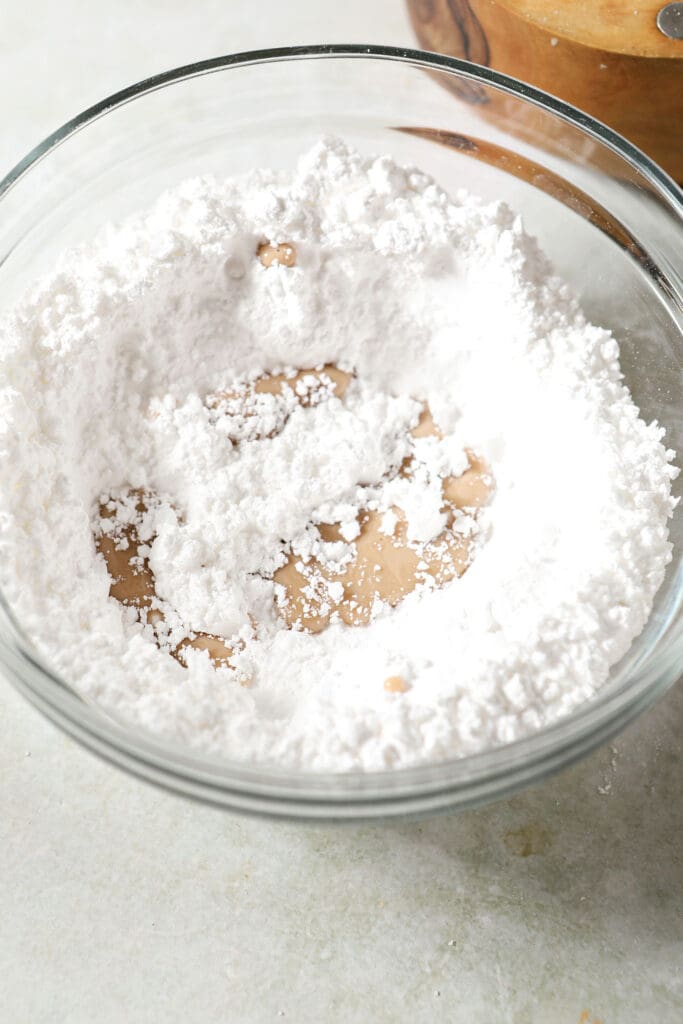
(383, 568)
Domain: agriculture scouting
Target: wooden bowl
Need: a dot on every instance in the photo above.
(607, 57)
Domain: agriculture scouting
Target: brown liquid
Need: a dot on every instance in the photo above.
(284, 254)
(275, 383)
(133, 585)
(396, 684)
(384, 568)
(309, 387)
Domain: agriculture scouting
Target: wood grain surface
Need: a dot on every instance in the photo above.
(606, 57)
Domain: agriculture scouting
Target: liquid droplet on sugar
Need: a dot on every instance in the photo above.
(283, 253)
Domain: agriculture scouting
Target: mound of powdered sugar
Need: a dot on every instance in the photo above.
(130, 371)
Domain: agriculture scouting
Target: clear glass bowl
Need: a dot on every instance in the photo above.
(608, 217)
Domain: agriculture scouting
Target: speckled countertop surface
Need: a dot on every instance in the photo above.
(562, 905)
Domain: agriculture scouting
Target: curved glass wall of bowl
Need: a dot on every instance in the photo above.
(609, 219)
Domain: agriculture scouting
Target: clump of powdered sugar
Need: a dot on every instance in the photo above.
(106, 369)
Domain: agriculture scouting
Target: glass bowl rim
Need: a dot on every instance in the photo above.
(288, 792)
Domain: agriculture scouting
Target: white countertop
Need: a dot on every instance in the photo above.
(121, 903)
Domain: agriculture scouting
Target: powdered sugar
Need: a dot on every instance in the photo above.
(134, 369)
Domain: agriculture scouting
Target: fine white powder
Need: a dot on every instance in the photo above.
(423, 298)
